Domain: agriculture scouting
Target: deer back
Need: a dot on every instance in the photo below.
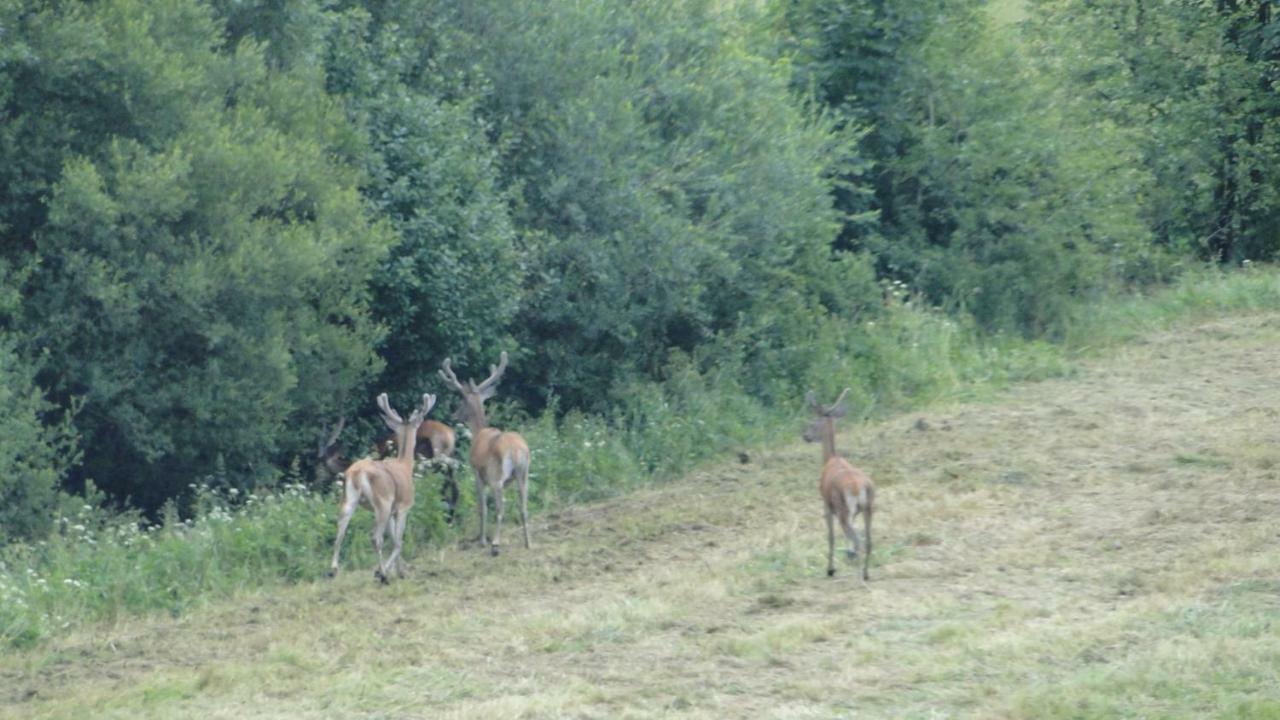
(382, 482)
(435, 439)
(839, 476)
(492, 450)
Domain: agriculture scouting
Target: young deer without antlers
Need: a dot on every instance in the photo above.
(497, 457)
(385, 486)
(846, 490)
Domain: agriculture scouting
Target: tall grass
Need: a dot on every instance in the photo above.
(1201, 292)
(99, 565)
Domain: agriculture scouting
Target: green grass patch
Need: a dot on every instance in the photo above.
(1217, 657)
(1199, 459)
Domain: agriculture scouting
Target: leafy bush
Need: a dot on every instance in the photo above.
(100, 564)
(33, 457)
(200, 258)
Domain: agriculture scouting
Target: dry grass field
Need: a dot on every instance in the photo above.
(1099, 546)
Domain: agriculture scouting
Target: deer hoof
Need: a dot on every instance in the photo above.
(333, 572)
(494, 551)
(831, 572)
(851, 554)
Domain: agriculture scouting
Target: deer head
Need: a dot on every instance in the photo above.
(406, 432)
(471, 411)
(327, 452)
(824, 416)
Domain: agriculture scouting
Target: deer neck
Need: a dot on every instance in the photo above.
(828, 440)
(476, 419)
(408, 443)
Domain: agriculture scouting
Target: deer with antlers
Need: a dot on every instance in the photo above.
(436, 444)
(497, 457)
(846, 490)
(329, 458)
(385, 486)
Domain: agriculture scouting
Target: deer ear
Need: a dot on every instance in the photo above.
(812, 399)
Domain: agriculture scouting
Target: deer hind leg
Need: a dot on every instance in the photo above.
(524, 505)
(831, 542)
(866, 559)
(393, 522)
(851, 508)
(382, 517)
(398, 522)
(846, 524)
(348, 508)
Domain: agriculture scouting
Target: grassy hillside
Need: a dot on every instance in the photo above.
(1100, 545)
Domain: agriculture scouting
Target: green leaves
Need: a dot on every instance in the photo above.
(35, 450)
(228, 223)
(1190, 88)
(669, 184)
(203, 275)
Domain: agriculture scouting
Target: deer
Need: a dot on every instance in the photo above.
(497, 457)
(329, 459)
(436, 445)
(846, 490)
(384, 486)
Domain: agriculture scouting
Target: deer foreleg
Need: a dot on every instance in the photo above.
(481, 503)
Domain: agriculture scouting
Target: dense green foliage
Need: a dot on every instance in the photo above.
(225, 224)
(33, 456)
(993, 197)
(1191, 87)
(199, 253)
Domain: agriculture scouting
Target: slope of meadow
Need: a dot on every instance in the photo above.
(1100, 545)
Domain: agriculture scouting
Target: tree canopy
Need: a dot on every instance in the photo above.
(225, 224)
